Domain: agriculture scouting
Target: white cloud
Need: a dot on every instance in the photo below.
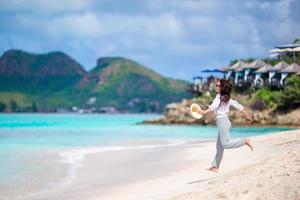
(161, 27)
(188, 7)
(44, 7)
(161, 34)
(91, 25)
(72, 25)
(81, 25)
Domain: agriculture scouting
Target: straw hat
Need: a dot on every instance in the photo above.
(194, 108)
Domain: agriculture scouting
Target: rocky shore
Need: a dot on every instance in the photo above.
(179, 113)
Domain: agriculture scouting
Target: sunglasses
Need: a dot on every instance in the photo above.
(218, 85)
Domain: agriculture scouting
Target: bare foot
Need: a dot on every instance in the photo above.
(213, 169)
(248, 142)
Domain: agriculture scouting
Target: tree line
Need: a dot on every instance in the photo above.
(13, 106)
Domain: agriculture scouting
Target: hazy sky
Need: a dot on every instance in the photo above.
(177, 38)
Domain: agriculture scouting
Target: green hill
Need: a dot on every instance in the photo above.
(125, 84)
(27, 78)
(55, 80)
(38, 73)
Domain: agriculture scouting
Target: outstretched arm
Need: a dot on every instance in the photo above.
(246, 112)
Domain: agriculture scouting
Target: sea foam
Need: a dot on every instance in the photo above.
(75, 157)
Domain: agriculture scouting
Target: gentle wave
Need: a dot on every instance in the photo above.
(75, 157)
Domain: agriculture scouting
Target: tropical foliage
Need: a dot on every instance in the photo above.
(288, 97)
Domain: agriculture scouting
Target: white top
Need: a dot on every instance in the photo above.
(223, 110)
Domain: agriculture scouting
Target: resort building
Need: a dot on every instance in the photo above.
(285, 50)
(259, 73)
(254, 74)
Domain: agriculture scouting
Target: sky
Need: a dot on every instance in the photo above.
(176, 38)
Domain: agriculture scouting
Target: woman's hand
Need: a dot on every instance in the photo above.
(201, 112)
(249, 116)
(204, 112)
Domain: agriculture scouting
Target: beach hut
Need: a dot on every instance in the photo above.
(224, 69)
(249, 70)
(293, 68)
(261, 75)
(236, 71)
(226, 72)
(275, 74)
(197, 80)
(196, 87)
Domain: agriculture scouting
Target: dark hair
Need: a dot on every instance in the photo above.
(225, 90)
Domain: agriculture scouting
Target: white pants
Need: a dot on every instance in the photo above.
(223, 141)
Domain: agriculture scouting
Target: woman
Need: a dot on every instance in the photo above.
(220, 107)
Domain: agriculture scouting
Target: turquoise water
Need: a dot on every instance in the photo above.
(25, 136)
(42, 131)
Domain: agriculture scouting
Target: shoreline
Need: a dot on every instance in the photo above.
(154, 121)
(88, 181)
(233, 125)
(170, 172)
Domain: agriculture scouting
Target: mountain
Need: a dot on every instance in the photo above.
(55, 80)
(125, 84)
(38, 73)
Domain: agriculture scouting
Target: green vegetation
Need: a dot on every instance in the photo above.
(287, 98)
(19, 97)
(13, 105)
(34, 107)
(266, 97)
(125, 84)
(2, 106)
(269, 97)
(291, 93)
(287, 59)
(46, 82)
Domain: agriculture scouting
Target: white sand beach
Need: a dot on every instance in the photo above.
(271, 171)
